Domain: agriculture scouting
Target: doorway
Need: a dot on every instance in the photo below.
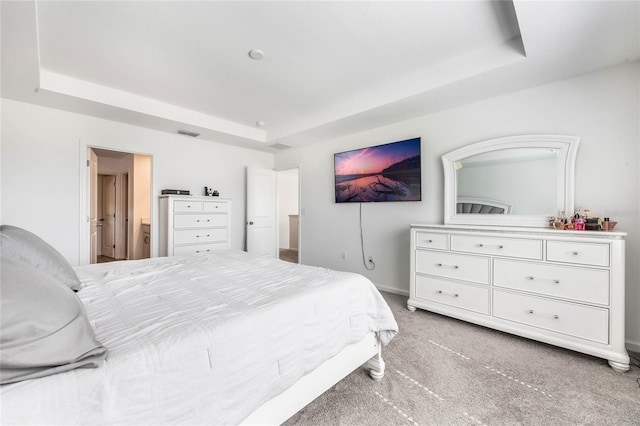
(123, 204)
(288, 196)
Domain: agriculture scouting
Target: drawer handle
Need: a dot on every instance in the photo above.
(427, 241)
(199, 251)
(447, 266)
(198, 236)
(198, 220)
(575, 253)
(499, 246)
(448, 294)
(531, 278)
(544, 315)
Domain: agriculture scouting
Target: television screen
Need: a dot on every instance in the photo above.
(389, 172)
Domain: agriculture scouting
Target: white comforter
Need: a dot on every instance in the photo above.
(201, 340)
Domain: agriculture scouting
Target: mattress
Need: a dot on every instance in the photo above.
(203, 339)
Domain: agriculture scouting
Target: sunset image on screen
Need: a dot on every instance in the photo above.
(389, 172)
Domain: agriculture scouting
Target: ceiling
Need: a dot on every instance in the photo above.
(329, 68)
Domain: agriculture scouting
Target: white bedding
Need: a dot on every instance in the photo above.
(201, 340)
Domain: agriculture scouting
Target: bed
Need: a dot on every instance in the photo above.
(219, 338)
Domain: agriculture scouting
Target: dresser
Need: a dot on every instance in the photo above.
(564, 288)
(191, 225)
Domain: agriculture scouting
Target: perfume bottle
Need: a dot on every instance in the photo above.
(563, 219)
(576, 216)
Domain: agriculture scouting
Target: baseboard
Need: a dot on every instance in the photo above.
(632, 346)
(392, 290)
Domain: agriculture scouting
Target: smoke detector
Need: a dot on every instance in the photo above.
(256, 54)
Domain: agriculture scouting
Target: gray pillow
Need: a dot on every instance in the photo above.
(43, 326)
(27, 248)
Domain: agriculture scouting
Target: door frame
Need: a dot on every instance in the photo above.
(84, 245)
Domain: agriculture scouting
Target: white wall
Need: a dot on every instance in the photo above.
(601, 108)
(41, 173)
(41, 150)
(140, 203)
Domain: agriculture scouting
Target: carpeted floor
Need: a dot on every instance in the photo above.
(442, 371)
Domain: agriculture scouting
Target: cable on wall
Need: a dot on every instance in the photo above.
(364, 262)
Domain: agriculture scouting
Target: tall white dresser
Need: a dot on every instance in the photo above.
(191, 224)
(565, 288)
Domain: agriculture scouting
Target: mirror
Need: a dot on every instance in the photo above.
(512, 181)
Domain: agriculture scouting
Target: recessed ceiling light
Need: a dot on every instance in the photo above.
(256, 54)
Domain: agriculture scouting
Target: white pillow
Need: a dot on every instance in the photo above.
(24, 247)
(44, 329)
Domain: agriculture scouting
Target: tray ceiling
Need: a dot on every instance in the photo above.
(329, 68)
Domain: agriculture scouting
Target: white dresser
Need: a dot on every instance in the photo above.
(190, 224)
(565, 288)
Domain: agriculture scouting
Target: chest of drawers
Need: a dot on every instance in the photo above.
(191, 225)
(565, 288)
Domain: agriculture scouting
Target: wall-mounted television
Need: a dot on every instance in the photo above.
(388, 172)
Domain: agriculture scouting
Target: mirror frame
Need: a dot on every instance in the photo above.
(567, 147)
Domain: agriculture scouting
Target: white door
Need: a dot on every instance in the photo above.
(261, 212)
(108, 215)
(93, 206)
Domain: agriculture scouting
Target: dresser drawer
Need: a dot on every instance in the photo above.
(186, 206)
(511, 247)
(596, 254)
(198, 248)
(453, 293)
(585, 322)
(214, 207)
(453, 265)
(432, 240)
(199, 220)
(197, 236)
(580, 284)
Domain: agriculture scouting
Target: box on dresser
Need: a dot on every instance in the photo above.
(565, 288)
(191, 224)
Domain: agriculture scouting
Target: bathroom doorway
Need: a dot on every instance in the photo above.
(288, 195)
(123, 207)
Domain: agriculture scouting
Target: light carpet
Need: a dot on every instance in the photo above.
(441, 371)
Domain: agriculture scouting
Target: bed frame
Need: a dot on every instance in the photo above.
(277, 410)
(482, 206)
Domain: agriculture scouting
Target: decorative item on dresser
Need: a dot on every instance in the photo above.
(565, 288)
(190, 224)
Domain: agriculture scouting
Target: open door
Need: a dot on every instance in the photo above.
(261, 212)
(108, 217)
